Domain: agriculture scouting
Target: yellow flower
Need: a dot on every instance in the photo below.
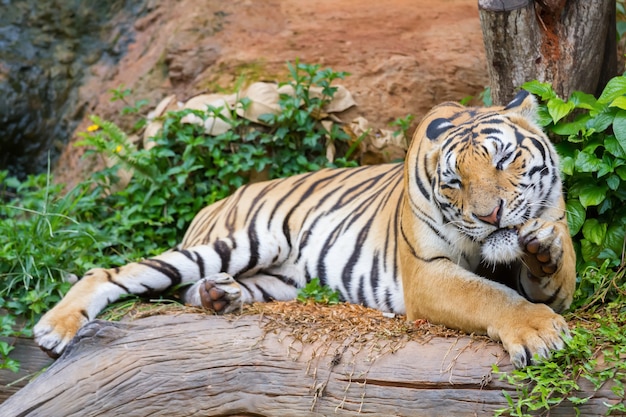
(93, 128)
(118, 149)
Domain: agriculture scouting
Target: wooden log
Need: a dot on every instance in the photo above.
(31, 359)
(198, 365)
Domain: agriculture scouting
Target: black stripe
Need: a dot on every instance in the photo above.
(267, 297)
(412, 250)
(200, 263)
(164, 268)
(548, 301)
(553, 297)
(388, 300)
(307, 193)
(253, 239)
(347, 276)
(418, 180)
(284, 279)
(375, 277)
(244, 286)
(361, 299)
(223, 251)
(110, 279)
(194, 257)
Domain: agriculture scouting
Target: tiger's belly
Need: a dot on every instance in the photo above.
(359, 262)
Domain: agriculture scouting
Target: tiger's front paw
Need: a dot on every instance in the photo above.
(219, 292)
(543, 247)
(57, 328)
(533, 331)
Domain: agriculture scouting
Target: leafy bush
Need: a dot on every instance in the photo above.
(42, 241)
(188, 168)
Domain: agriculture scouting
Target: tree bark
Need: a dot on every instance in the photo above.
(197, 365)
(568, 43)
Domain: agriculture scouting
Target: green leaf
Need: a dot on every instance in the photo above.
(588, 250)
(588, 191)
(613, 181)
(559, 109)
(615, 87)
(619, 128)
(593, 196)
(571, 128)
(619, 102)
(543, 117)
(614, 238)
(12, 182)
(583, 100)
(567, 165)
(613, 147)
(594, 231)
(543, 90)
(601, 121)
(576, 214)
(621, 171)
(587, 162)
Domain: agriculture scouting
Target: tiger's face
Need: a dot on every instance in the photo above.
(494, 173)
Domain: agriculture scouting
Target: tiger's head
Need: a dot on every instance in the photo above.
(488, 171)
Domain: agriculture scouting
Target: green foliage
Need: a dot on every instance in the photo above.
(122, 94)
(591, 136)
(314, 291)
(402, 124)
(7, 329)
(42, 240)
(296, 128)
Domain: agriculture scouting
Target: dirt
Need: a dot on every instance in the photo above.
(403, 56)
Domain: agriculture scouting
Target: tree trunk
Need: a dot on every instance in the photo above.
(568, 43)
(198, 365)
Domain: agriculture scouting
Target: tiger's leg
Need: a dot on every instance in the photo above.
(224, 294)
(445, 293)
(100, 287)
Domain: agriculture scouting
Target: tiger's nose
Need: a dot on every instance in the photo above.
(494, 217)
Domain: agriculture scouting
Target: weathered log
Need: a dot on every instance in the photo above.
(31, 359)
(198, 365)
(568, 43)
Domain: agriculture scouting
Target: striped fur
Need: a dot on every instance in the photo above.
(459, 234)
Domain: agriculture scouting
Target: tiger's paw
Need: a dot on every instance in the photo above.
(219, 292)
(56, 329)
(542, 245)
(532, 334)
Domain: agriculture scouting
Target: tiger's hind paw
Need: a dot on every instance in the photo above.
(219, 292)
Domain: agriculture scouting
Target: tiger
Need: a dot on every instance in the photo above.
(469, 231)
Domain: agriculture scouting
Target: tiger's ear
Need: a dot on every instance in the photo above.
(523, 104)
(437, 127)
